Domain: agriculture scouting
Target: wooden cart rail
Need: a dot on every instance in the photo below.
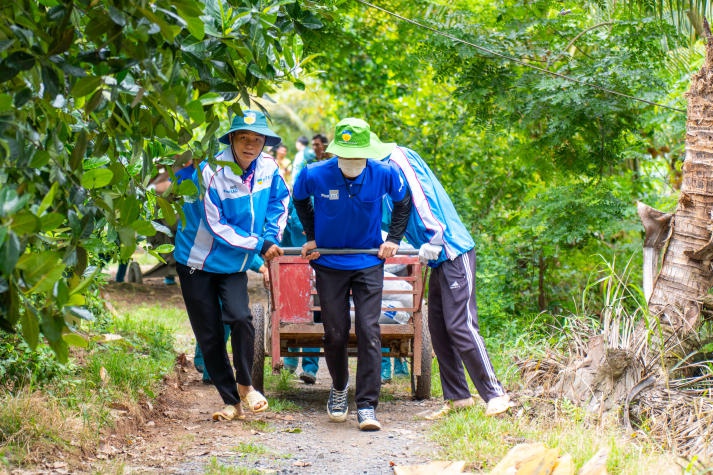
(290, 325)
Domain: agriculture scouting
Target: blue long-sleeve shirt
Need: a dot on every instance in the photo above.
(433, 218)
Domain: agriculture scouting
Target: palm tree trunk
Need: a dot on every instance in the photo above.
(606, 375)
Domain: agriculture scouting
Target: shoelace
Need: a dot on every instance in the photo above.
(367, 413)
(339, 397)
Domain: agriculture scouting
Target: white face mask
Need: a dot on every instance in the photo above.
(351, 167)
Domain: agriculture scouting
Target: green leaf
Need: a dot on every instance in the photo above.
(164, 248)
(10, 203)
(95, 162)
(41, 270)
(60, 348)
(30, 326)
(144, 228)
(20, 60)
(84, 283)
(97, 178)
(5, 103)
(74, 339)
(25, 222)
(40, 159)
(48, 198)
(257, 72)
(211, 98)
(187, 188)
(168, 214)
(10, 252)
(86, 86)
(80, 149)
(195, 111)
(195, 26)
(94, 101)
(52, 326)
(51, 221)
(80, 312)
(61, 293)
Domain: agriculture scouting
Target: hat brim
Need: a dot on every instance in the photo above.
(271, 138)
(374, 150)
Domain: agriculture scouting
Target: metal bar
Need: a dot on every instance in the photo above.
(296, 251)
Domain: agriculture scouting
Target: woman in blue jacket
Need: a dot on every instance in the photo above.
(241, 212)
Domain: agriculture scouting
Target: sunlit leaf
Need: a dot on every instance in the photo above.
(97, 178)
(73, 339)
(25, 222)
(86, 86)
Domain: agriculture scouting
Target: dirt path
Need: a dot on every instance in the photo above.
(178, 435)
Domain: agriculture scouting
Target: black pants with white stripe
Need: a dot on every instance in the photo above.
(453, 323)
(366, 285)
(211, 300)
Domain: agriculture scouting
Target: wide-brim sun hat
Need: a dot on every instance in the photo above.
(353, 139)
(390, 146)
(253, 121)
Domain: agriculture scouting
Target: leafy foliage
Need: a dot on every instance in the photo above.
(94, 97)
(527, 112)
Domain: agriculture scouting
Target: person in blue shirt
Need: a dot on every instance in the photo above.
(447, 247)
(339, 204)
(240, 213)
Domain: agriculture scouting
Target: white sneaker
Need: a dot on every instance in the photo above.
(498, 405)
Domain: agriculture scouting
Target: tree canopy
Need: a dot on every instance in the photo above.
(94, 97)
(545, 121)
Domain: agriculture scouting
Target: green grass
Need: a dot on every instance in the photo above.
(282, 382)
(215, 467)
(258, 425)
(483, 441)
(76, 399)
(278, 405)
(135, 365)
(32, 425)
(249, 448)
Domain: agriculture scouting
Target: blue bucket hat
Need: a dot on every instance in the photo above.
(253, 121)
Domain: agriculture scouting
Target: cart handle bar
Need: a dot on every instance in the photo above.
(296, 251)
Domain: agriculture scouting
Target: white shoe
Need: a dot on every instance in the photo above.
(498, 405)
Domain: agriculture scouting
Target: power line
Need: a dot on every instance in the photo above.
(517, 60)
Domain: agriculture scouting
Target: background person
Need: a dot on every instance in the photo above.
(316, 154)
(279, 153)
(294, 237)
(241, 213)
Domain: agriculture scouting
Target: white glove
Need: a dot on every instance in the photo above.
(429, 252)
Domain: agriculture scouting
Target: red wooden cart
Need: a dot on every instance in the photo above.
(289, 323)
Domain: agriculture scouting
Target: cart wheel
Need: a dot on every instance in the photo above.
(421, 385)
(258, 373)
(133, 273)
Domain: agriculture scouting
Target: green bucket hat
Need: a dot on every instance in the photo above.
(353, 139)
(254, 121)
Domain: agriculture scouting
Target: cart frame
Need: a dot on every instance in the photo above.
(289, 323)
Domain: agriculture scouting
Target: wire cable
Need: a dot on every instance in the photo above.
(517, 60)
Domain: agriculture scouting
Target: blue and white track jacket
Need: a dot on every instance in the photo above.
(229, 224)
(433, 218)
